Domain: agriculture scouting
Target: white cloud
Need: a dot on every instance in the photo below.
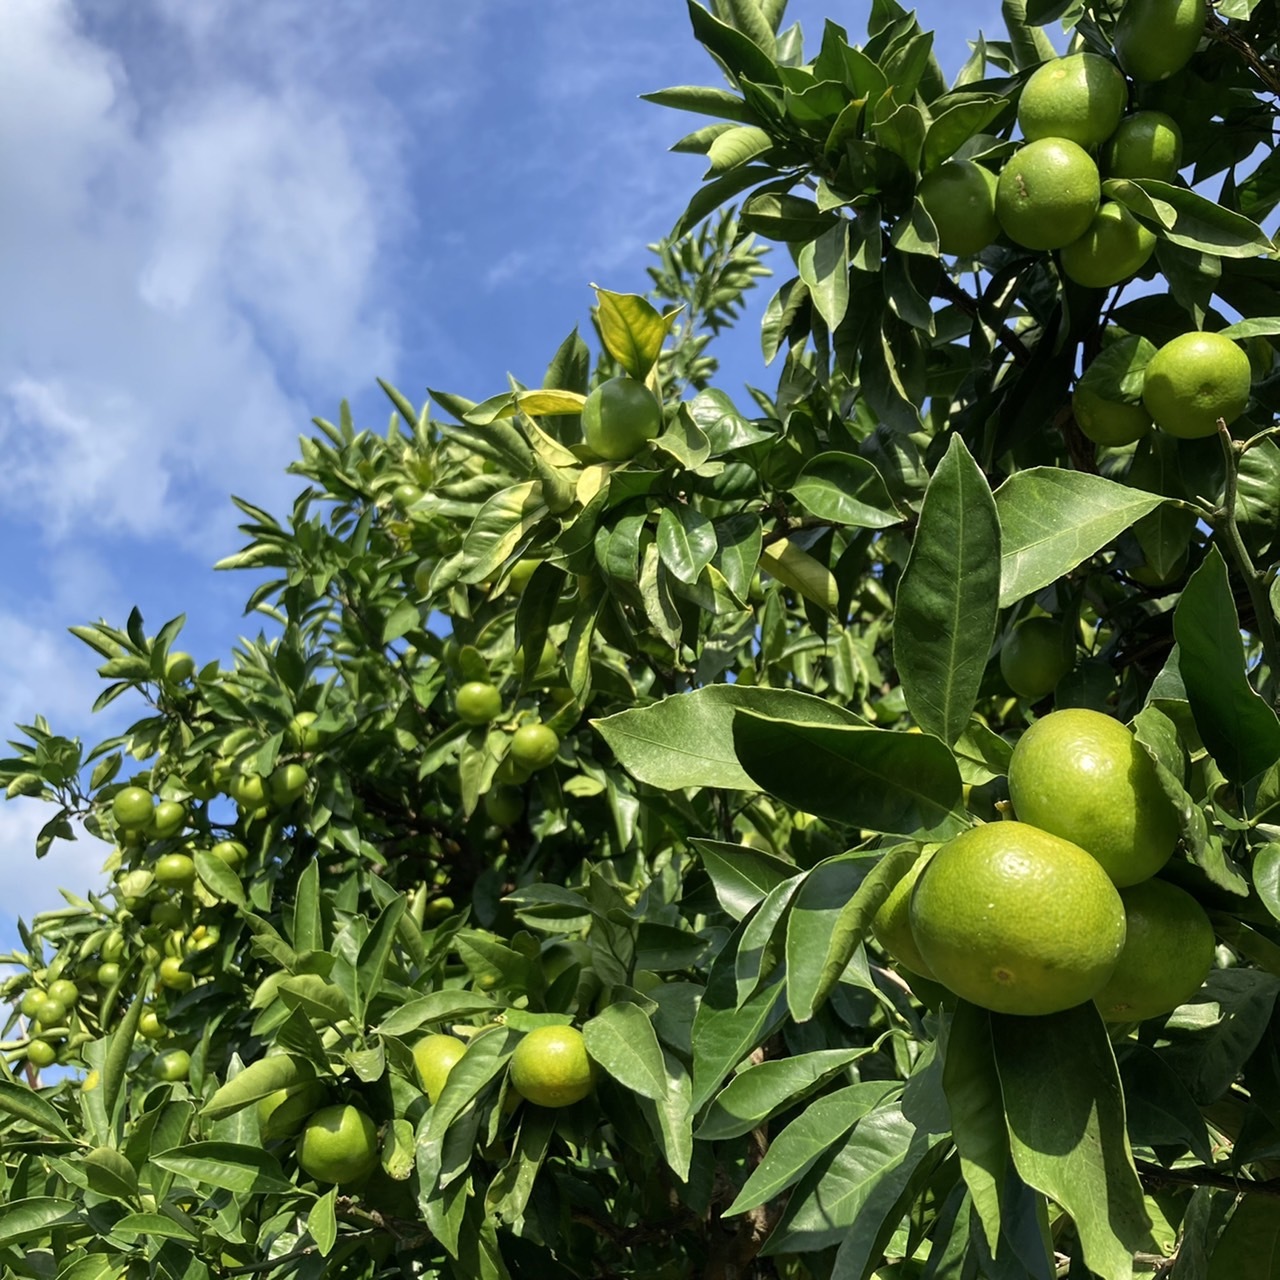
(185, 254)
(31, 886)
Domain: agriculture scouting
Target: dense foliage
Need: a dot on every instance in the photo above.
(638, 745)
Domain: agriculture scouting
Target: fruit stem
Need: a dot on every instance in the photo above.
(1254, 581)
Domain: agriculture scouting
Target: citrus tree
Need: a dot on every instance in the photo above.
(829, 833)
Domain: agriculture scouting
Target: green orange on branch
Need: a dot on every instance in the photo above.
(1037, 654)
(338, 1145)
(1080, 98)
(960, 197)
(1047, 194)
(1195, 380)
(478, 702)
(550, 1067)
(435, 1056)
(619, 418)
(1084, 777)
(1017, 920)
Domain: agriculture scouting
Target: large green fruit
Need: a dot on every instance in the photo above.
(1084, 777)
(339, 1144)
(960, 197)
(1155, 38)
(1195, 379)
(1047, 194)
(1115, 247)
(1080, 97)
(1147, 144)
(435, 1056)
(550, 1067)
(478, 702)
(619, 418)
(1017, 920)
(132, 808)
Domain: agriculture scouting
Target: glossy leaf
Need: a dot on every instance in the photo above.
(742, 876)
(808, 1137)
(948, 600)
(225, 1165)
(846, 489)
(1240, 730)
(873, 778)
(1051, 520)
(622, 1040)
(1065, 1112)
(687, 740)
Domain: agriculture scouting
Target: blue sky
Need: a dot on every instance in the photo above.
(219, 217)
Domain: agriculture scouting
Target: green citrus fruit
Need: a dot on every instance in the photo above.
(960, 197)
(173, 1065)
(619, 417)
(405, 495)
(249, 790)
(108, 974)
(1083, 776)
(520, 574)
(51, 1012)
(173, 975)
(478, 702)
(534, 746)
(40, 1053)
(113, 946)
(1037, 654)
(422, 577)
(283, 1113)
(1108, 422)
(1047, 194)
(338, 1144)
(169, 818)
(301, 733)
(288, 783)
(150, 1027)
(1193, 380)
(435, 1056)
(1080, 97)
(503, 805)
(179, 666)
(132, 808)
(1168, 952)
(31, 1001)
(1155, 38)
(65, 990)
(176, 871)
(1147, 144)
(1115, 247)
(550, 1067)
(232, 852)
(1017, 920)
(892, 923)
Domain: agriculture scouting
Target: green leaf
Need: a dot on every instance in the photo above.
(322, 1222)
(884, 781)
(807, 1138)
(948, 599)
(824, 268)
(742, 876)
(1266, 877)
(632, 330)
(622, 1040)
(509, 1192)
(257, 1081)
(670, 1118)
(1051, 520)
(723, 1033)
(761, 1091)
(110, 1174)
(227, 1165)
(972, 1086)
(686, 541)
(32, 1218)
(219, 878)
(156, 1225)
(737, 146)
(318, 998)
(25, 1104)
(785, 217)
(1249, 1248)
(1210, 1038)
(956, 125)
(1189, 219)
(307, 933)
(375, 954)
(739, 54)
(1065, 1111)
(1240, 730)
(712, 195)
(1160, 1111)
(1118, 371)
(686, 740)
(846, 489)
(498, 528)
(703, 100)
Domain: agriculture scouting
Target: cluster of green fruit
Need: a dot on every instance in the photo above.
(1071, 112)
(1061, 906)
(338, 1142)
(533, 746)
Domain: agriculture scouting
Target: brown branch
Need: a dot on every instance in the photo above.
(974, 307)
(1156, 1176)
(1218, 29)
